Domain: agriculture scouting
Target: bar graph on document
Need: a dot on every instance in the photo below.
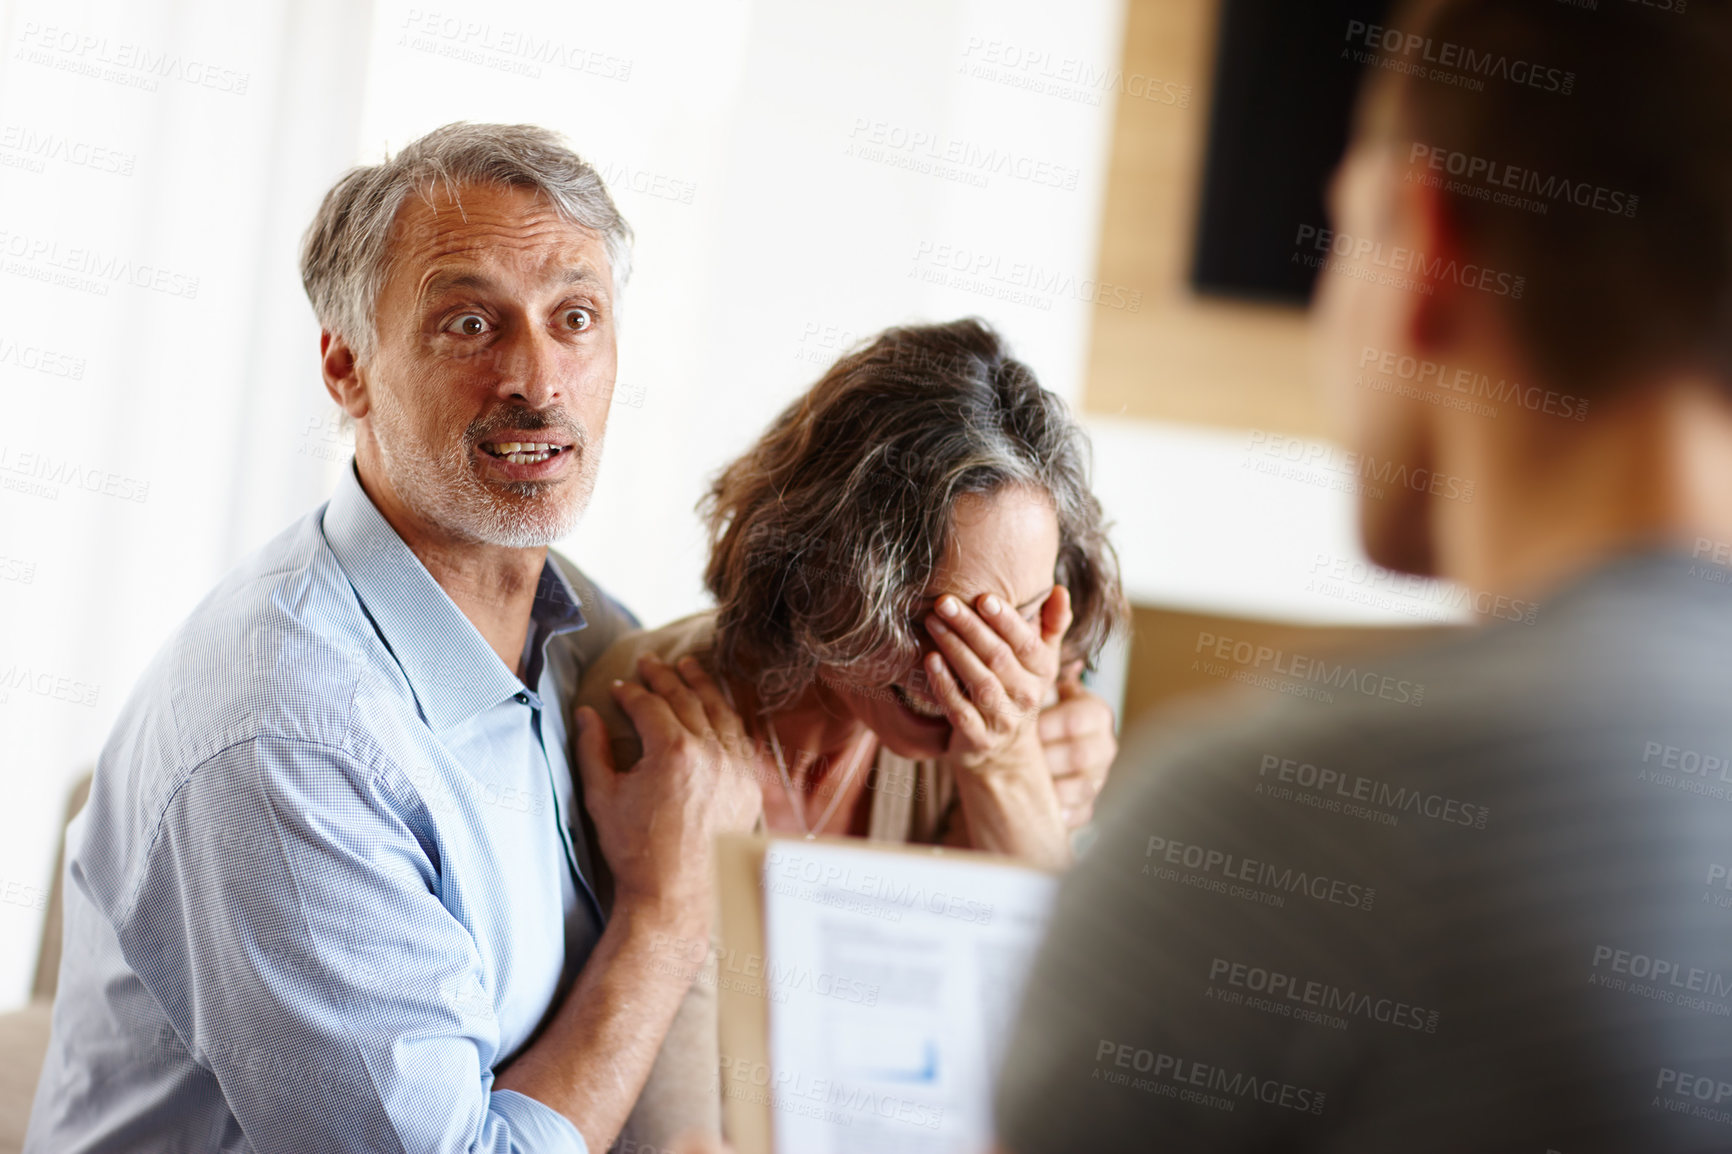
(900, 973)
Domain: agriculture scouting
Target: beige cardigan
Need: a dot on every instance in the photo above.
(912, 801)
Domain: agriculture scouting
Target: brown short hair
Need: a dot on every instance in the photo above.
(1626, 101)
(824, 535)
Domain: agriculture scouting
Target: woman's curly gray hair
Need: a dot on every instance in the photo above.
(824, 536)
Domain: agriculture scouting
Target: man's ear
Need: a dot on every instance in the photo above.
(342, 373)
(1430, 227)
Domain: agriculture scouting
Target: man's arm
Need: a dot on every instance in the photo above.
(656, 825)
(289, 923)
(594, 1057)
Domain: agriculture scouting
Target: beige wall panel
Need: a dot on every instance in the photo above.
(1179, 357)
(1179, 667)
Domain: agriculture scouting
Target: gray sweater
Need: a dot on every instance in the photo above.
(1491, 916)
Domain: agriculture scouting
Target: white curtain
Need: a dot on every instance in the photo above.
(159, 406)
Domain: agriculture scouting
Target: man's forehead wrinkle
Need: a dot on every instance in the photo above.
(481, 256)
(482, 233)
(494, 247)
(443, 274)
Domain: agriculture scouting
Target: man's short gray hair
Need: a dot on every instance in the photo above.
(345, 257)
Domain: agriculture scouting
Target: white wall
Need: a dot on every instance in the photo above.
(194, 137)
(1250, 523)
(158, 159)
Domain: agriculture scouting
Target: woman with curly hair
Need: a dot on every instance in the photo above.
(903, 565)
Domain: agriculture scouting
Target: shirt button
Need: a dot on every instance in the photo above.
(522, 698)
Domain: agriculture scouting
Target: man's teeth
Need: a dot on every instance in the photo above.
(523, 452)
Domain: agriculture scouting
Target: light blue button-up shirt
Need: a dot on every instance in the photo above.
(328, 878)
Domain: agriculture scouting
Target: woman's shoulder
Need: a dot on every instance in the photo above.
(669, 642)
(618, 662)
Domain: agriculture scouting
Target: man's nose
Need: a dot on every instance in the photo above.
(529, 368)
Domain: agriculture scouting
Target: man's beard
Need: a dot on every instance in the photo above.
(443, 484)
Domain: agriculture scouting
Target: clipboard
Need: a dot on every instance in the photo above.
(744, 1007)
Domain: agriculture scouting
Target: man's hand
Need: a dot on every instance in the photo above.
(656, 822)
(1077, 735)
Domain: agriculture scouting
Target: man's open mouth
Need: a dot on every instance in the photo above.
(524, 452)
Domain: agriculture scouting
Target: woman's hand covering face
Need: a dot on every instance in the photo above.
(992, 672)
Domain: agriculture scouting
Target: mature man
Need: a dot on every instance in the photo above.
(1498, 921)
(327, 887)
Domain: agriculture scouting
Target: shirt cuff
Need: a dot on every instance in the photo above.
(535, 1125)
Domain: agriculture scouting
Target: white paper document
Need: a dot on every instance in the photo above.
(897, 976)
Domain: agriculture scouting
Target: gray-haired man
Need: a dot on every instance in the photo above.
(327, 894)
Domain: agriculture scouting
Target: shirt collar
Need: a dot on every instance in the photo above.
(451, 669)
(556, 610)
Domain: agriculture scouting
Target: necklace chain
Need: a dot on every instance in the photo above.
(794, 800)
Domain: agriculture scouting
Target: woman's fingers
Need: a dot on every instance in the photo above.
(1024, 638)
(1013, 650)
(1002, 640)
(1000, 663)
(966, 667)
(964, 717)
(1077, 732)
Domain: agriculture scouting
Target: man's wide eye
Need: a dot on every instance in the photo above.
(469, 325)
(577, 320)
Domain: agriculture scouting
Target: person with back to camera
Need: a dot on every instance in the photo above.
(1494, 922)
